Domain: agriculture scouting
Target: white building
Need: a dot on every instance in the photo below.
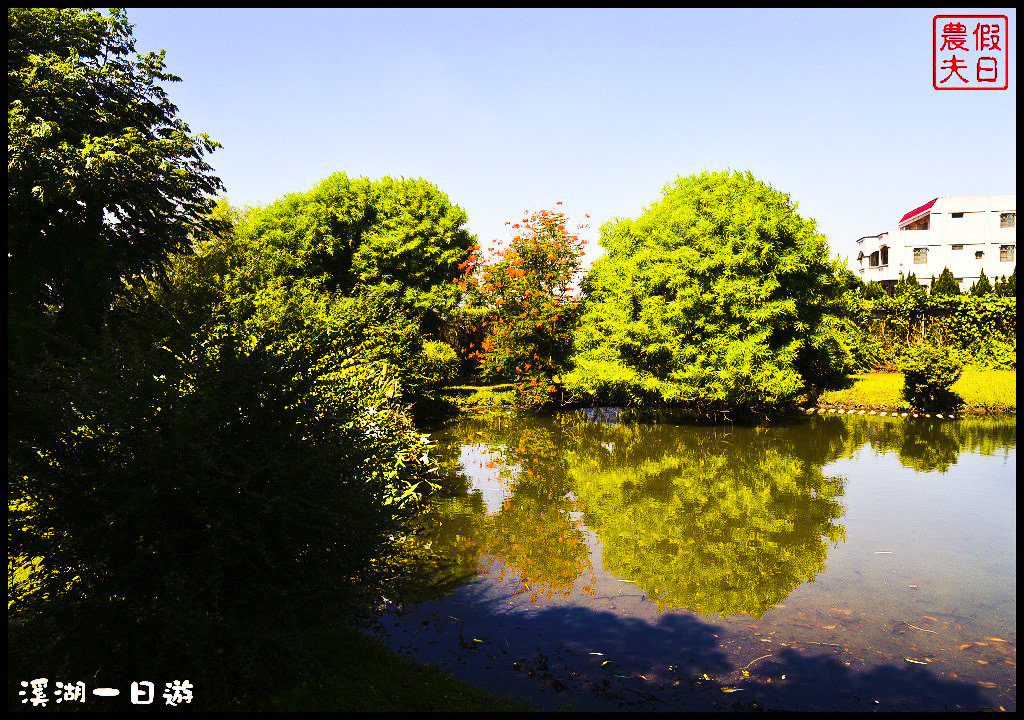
(965, 234)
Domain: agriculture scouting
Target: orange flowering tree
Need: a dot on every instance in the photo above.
(528, 286)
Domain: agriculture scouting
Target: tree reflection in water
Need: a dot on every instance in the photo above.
(713, 519)
(930, 444)
(716, 520)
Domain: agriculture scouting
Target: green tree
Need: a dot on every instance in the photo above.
(911, 289)
(401, 236)
(382, 255)
(202, 453)
(103, 178)
(218, 469)
(719, 296)
(982, 286)
(873, 290)
(946, 285)
(529, 286)
(1007, 287)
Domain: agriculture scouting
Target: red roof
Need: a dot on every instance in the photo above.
(917, 211)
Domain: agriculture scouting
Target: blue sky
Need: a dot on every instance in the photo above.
(515, 110)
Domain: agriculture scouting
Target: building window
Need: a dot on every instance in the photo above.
(958, 247)
(920, 256)
(957, 215)
(885, 255)
(1006, 253)
(1008, 220)
(873, 259)
(979, 254)
(921, 224)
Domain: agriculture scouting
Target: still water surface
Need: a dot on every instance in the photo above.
(600, 560)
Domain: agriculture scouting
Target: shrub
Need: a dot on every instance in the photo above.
(193, 504)
(873, 290)
(438, 364)
(929, 372)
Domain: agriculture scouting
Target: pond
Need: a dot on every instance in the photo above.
(598, 559)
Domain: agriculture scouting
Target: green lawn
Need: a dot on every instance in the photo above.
(468, 396)
(988, 390)
(982, 390)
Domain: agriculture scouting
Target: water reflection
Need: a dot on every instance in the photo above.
(537, 530)
(712, 519)
(928, 444)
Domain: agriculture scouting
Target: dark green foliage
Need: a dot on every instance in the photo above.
(208, 449)
(981, 329)
(1007, 286)
(946, 285)
(103, 178)
(929, 372)
(465, 329)
(982, 287)
(196, 494)
(868, 351)
(719, 296)
(892, 323)
(873, 290)
(910, 288)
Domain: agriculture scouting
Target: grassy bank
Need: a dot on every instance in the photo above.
(472, 396)
(983, 391)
